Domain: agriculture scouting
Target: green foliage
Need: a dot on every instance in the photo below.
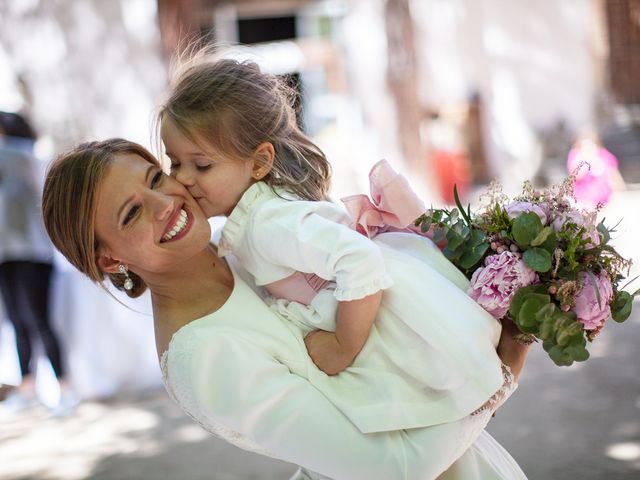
(466, 244)
(621, 306)
(563, 337)
(560, 258)
(526, 229)
(537, 259)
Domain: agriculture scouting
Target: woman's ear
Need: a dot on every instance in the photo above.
(263, 159)
(107, 263)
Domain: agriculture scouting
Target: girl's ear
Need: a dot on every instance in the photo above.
(263, 160)
(107, 263)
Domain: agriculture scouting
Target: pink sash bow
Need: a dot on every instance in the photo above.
(395, 205)
(394, 208)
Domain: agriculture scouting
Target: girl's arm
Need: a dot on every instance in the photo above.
(310, 237)
(333, 352)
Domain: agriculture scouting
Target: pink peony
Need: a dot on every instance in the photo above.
(494, 285)
(514, 209)
(591, 313)
(574, 216)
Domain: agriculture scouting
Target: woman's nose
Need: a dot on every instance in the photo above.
(162, 204)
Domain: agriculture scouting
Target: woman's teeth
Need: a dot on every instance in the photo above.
(178, 227)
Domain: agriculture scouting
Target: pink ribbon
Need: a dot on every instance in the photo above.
(393, 206)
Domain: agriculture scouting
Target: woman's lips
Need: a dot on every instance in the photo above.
(180, 220)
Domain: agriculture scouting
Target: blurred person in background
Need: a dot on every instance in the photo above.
(596, 171)
(26, 265)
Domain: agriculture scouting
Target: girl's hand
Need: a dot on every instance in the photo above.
(327, 353)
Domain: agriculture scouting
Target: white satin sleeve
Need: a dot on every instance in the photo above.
(312, 237)
(247, 390)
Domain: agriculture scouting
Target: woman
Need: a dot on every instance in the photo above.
(25, 265)
(230, 362)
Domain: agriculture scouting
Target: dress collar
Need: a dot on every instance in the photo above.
(233, 228)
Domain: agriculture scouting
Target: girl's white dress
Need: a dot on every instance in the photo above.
(243, 373)
(430, 358)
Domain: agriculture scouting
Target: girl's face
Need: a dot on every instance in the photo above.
(216, 181)
(145, 219)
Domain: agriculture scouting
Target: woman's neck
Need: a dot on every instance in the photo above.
(191, 288)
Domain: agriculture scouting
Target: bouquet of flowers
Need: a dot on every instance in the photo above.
(539, 261)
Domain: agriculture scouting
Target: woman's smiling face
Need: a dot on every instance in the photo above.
(145, 219)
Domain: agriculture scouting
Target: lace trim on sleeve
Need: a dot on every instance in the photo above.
(509, 385)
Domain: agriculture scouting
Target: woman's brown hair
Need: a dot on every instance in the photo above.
(234, 107)
(69, 202)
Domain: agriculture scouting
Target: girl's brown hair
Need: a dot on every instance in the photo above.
(234, 107)
(69, 201)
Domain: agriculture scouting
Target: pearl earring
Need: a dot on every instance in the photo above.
(128, 283)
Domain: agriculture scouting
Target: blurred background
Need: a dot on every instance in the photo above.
(449, 91)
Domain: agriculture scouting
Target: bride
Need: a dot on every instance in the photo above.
(230, 362)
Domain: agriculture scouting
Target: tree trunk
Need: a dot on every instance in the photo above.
(179, 22)
(402, 81)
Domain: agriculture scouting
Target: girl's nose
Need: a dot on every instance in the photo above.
(185, 177)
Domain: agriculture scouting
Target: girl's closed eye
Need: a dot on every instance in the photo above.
(204, 168)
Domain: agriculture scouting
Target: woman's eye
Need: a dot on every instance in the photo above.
(156, 179)
(131, 215)
(203, 168)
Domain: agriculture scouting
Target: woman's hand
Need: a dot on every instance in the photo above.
(327, 353)
(511, 351)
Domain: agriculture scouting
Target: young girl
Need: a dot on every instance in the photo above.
(421, 354)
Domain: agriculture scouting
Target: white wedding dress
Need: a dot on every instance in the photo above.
(242, 373)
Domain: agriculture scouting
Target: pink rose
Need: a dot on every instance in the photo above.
(574, 216)
(494, 285)
(514, 209)
(591, 313)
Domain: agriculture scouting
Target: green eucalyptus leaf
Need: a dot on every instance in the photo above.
(477, 237)
(548, 344)
(542, 236)
(578, 353)
(621, 306)
(546, 312)
(454, 240)
(537, 259)
(521, 295)
(439, 235)
(526, 228)
(548, 328)
(559, 356)
(566, 333)
(452, 255)
(473, 256)
(527, 320)
(604, 232)
(550, 243)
